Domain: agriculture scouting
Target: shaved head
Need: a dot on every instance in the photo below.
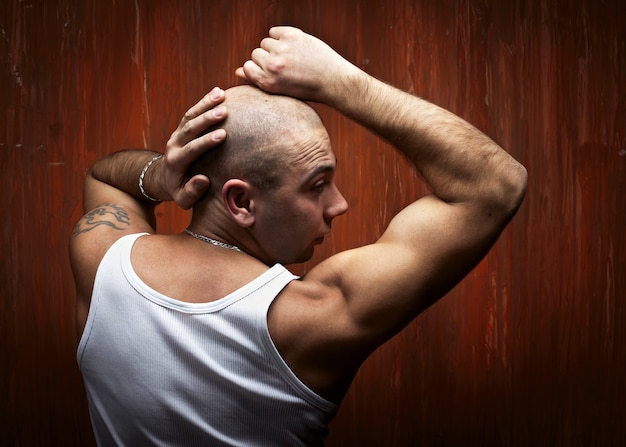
(260, 130)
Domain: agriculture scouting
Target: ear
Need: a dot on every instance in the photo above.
(238, 197)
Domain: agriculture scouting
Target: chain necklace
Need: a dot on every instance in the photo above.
(208, 240)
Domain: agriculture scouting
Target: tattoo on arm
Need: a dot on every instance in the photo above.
(113, 216)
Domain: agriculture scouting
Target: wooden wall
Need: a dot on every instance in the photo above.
(529, 350)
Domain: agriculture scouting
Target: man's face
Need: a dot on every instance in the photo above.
(296, 216)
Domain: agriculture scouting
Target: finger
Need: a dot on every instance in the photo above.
(240, 73)
(193, 191)
(276, 32)
(200, 145)
(268, 44)
(210, 100)
(182, 158)
(252, 72)
(189, 130)
(259, 56)
(200, 124)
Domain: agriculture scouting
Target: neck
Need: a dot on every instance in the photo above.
(213, 221)
(209, 240)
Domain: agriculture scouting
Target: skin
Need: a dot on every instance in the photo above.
(289, 219)
(327, 323)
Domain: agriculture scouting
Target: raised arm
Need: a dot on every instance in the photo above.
(122, 189)
(453, 156)
(433, 243)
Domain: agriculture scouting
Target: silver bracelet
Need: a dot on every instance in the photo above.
(143, 174)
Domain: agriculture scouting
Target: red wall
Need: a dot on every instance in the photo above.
(529, 350)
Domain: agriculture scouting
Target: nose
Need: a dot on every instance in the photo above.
(338, 205)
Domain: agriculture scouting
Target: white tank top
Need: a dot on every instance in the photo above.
(159, 371)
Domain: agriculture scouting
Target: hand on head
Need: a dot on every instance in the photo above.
(288, 62)
(291, 62)
(187, 143)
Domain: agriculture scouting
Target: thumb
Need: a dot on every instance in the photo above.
(194, 189)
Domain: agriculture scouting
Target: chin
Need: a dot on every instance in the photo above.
(299, 259)
(307, 255)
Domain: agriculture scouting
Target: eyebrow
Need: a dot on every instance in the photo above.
(319, 170)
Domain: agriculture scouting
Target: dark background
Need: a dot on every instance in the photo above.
(530, 350)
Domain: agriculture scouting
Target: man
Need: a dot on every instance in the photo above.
(204, 336)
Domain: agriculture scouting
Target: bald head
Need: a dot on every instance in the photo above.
(260, 130)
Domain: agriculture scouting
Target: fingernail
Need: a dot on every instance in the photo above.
(216, 93)
(219, 112)
(218, 135)
(200, 185)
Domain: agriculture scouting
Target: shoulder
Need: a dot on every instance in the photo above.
(311, 326)
(316, 310)
(94, 234)
(100, 227)
(326, 324)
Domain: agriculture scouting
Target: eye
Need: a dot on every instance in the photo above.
(319, 186)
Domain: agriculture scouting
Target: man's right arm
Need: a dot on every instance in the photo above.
(116, 205)
(434, 242)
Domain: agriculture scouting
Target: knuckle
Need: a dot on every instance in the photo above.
(171, 146)
(267, 84)
(188, 116)
(186, 129)
(205, 122)
(172, 160)
(256, 53)
(276, 66)
(169, 158)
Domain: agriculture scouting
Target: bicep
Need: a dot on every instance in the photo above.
(109, 215)
(426, 250)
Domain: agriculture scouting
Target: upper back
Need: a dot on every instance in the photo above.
(216, 369)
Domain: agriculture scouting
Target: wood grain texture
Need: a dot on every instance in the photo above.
(529, 350)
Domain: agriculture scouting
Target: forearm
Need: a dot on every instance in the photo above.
(459, 162)
(122, 170)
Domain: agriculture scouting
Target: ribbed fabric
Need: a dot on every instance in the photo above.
(164, 372)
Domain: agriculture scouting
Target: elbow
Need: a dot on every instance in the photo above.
(513, 185)
(520, 184)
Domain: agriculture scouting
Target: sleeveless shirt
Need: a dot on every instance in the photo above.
(159, 371)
